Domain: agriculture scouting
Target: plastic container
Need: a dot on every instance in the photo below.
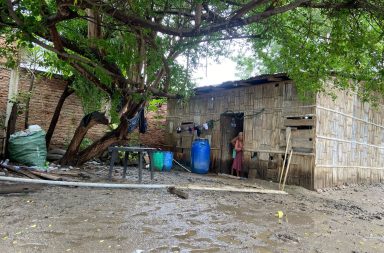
(158, 160)
(168, 160)
(200, 156)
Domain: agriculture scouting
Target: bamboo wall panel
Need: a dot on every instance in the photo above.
(262, 132)
(349, 141)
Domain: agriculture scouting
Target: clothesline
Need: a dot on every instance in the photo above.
(210, 123)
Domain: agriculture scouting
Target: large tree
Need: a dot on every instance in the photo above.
(124, 51)
(314, 45)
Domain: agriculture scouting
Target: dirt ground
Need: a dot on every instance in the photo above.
(64, 219)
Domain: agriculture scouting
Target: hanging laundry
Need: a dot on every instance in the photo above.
(138, 120)
(210, 123)
(198, 131)
(143, 125)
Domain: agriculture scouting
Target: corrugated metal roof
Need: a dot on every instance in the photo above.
(256, 80)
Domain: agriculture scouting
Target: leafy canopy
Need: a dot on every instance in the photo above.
(126, 51)
(314, 45)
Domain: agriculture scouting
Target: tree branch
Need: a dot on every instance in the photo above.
(274, 11)
(248, 7)
(349, 4)
(198, 13)
(13, 14)
(91, 77)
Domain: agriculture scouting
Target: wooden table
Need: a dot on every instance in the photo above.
(115, 151)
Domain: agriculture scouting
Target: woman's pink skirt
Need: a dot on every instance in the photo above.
(238, 161)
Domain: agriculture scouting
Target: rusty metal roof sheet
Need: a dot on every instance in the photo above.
(262, 79)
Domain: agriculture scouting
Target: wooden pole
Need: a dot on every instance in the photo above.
(281, 170)
(20, 170)
(46, 176)
(228, 189)
(181, 165)
(11, 127)
(286, 173)
(143, 186)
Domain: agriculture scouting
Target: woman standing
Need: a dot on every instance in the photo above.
(238, 161)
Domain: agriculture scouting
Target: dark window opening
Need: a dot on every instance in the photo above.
(303, 127)
(300, 117)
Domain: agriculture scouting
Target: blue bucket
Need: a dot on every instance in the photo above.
(168, 161)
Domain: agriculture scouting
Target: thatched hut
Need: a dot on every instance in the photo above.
(333, 141)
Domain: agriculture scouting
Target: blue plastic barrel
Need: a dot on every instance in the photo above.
(168, 159)
(200, 156)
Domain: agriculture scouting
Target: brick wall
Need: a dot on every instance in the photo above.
(45, 95)
(155, 136)
(4, 81)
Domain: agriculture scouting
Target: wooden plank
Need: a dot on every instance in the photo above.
(18, 188)
(20, 170)
(47, 176)
(186, 141)
(299, 122)
(261, 151)
(302, 142)
(230, 189)
(303, 133)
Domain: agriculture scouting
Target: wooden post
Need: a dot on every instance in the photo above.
(11, 127)
(286, 173)
(281, 170)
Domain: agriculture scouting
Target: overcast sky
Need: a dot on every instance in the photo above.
(215, 73)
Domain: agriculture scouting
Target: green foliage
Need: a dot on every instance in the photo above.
(86, 142)
(134, 139)
(154, 104)
(21, 99)
(310, 44)
(313, 46)
(91, 97)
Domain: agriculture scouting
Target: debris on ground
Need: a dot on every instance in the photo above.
(177, 192)
(18, 188)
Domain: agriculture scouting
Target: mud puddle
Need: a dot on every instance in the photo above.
(87, 220)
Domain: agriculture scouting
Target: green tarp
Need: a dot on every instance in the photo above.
(29, 150)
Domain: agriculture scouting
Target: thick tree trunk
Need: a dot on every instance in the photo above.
(117, 136)
(94, 24)
(11, 127)
(70, 157)
(55, 118)
(98, 147)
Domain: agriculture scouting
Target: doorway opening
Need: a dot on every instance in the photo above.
(231, 124)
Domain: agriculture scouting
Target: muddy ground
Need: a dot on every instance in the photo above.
(64, 219)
